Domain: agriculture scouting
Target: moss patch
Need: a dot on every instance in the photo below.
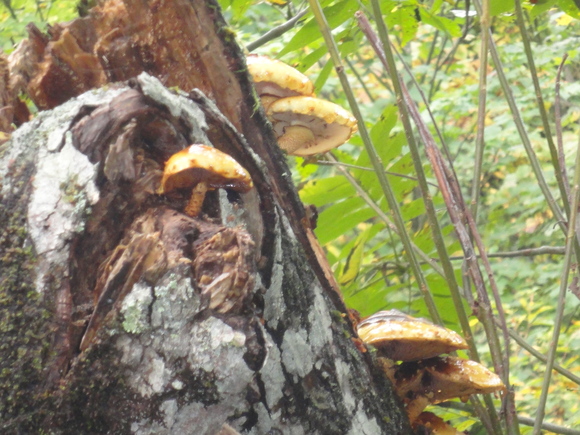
(24, 338)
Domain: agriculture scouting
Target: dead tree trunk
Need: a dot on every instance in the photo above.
(119, 313)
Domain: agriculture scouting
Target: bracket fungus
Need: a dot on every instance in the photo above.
(202, 168)
(401, 337)
(438, 379)
(435, 425)
(274, 79)
(306, 125)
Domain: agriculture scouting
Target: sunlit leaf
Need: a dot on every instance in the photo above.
(354, 259)
(336, 14)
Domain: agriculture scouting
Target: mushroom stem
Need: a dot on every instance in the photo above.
(295, 137)
(193, 207)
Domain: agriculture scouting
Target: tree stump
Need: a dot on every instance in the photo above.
(120, 314)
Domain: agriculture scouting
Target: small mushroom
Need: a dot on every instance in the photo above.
(202, 168)
(438, 379)
(433, 424)
(306, 125)
(401, 337)
(274, 79)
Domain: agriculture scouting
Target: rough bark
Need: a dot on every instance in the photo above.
(106, 287)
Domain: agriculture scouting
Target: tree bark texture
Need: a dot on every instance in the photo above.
(119, 313)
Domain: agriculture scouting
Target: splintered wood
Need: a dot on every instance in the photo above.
(165, 39)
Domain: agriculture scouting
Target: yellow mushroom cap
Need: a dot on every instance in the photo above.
(273, 77)
(330, 124)
(444, 378)
(401, 337)
(198, 163)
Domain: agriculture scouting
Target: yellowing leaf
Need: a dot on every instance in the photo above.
(353, 261)
(564, 20)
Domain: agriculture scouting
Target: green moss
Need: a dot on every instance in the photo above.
(24, 338)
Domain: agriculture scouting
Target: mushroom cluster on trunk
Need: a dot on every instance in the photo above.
(423, 377)
(304, 125)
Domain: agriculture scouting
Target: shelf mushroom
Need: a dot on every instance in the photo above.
(306, 125)
(202, 168)
(274, 79)
(438, 379)
(435, 425)
(401, 337)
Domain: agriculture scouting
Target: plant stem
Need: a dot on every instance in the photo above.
(557, 367)
(559, 170)
(554, 208)
(558, 125)
(481, 109)
(376, 161)
(570, 238)
(276, 31)
(523, 420)
(406, 105)
(363, 168)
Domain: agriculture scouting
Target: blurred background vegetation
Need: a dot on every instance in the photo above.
(439, 42)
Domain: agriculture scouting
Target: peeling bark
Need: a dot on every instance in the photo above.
(120, 314)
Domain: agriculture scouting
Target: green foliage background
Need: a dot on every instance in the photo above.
(442, 51)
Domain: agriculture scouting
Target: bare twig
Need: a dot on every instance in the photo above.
(530, 252)
(276, 31)
(481, 109)
(522, 419)
(375, 160)
(558, 126)
(364, 168)
(570, 238)
(562, 185)
(406, 107)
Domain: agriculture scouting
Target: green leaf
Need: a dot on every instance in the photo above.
(323, 76)
(442, 23)
(326, 191)
(570, 7)
(341, 217)
(540, 7)
(336, 14)
(404, 16)
(354, 259)
(497, 7)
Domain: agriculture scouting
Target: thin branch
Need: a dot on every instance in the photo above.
(570, 238)
(530, 252)
(562, 185)
(364, 168)
(522, 419)
(276, 31)
(558, 126)
(375, 160)
(557, 367)
(407, 107)
(481, 110)
(360, 80)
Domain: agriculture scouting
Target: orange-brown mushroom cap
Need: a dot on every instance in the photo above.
(275, 78)
(401, 337)
(435, 425)
(197, 163)
(306, 126)
(438, 379)
(444, 378)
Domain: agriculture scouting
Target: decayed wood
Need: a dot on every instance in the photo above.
(114, 318)
(185, 44)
